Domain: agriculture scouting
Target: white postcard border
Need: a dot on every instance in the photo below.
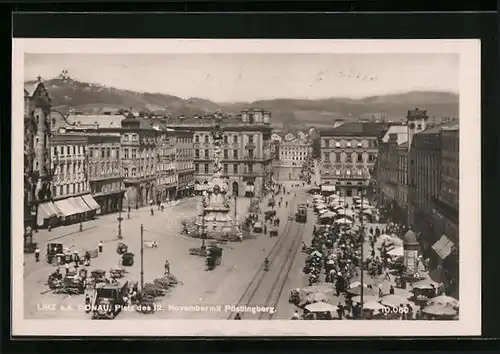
(470, 192)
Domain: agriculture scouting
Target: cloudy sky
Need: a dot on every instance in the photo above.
(250, 77)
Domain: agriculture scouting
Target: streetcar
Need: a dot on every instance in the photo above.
(301, 215)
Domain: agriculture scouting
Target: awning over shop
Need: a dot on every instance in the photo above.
(443, 247)
(81, 204)
(249, 188)
(328, 188)
(66, 207)
(45, 211)
(200, 187)
(90, 201)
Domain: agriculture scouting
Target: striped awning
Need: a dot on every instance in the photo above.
(91, 202)
(66, 207)
(45, 211)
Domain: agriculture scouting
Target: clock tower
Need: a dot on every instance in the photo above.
(416, 121)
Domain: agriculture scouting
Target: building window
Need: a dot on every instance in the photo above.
(206, 139)
(337, 172)
(250, 139)
(327, 143)
(359, 158)
(207, 154)
(337, 144)
(134, 153)
(125, 172)
(360, 144)
(196, 168)
(235, 168)
(348, 144)
(235, 154)
(348, 158)
(226, 154)
(250, 153)
(134, 137)
(225, 168)
(337, 158)
(250, 168)
(327, 157)
(235, 139)
(196, 138)
(134, 172)
(197, 153)
(371, 157)
(225, 139)
(206, 168)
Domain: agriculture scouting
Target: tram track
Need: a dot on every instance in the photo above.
(288, 239)
(279, 285)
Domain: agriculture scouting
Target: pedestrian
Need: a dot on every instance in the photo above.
(76, 259)
(387, 275)
(152, 212)
(238, 316)
(100, 247)
(286, 204)
(296, 315)
(87, 303)
(391, 290)
(66, 267)
(37, 254)
(340, 310)
(129, 209)
(167, 267)
(265, 229)
(380, 292)
(371, 230)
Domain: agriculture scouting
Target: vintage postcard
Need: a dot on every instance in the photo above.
(246, 187)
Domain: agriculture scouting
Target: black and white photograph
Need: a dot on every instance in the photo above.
(198, 187)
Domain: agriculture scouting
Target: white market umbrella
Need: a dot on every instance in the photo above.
(338, 207)
(318, 196)
(396, 252)
(316, 254)
(444, 300)
(373, 306)
(346, 213)
(322, 211)
(367, 211)
(343, 221)
(327, 215)
(320, 307)
(393, 301)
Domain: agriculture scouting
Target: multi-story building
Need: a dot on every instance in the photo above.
(71, 188)
(105, 171)
(139, 141)
(37, 164)
(166, 167)
(445, 211)
(348, 153)
(246, 150)
(184, 162)
(293, 154)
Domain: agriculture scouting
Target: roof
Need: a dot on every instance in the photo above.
(410, 237)
(438, 128)
(29, 89)
(104, 121)
(356, 129)
(400, 130)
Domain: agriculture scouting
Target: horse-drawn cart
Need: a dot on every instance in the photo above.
(121, 248)
(273, 232)
(117, 272)
(198, 252)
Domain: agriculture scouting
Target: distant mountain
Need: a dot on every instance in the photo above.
(68, 93)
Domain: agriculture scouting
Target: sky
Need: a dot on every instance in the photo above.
(251, 77)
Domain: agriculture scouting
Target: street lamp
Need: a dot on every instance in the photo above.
(120, 208)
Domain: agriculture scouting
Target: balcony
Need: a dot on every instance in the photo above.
(250, 146)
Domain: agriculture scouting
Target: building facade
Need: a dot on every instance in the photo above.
(37, 164)
(348, 155)
(139, 141)
(247, 159)
(293, 154)
(105, 171)
(184, 162)
(167, 176)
